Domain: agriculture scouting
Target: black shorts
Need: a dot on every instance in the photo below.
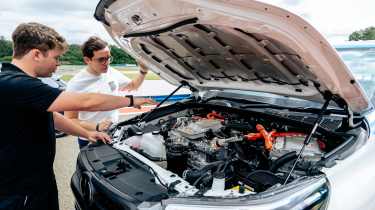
(45, 199)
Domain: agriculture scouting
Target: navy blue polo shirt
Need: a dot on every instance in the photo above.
(27, 137)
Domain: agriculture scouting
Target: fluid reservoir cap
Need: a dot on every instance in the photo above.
(139, 133)
(155, 132)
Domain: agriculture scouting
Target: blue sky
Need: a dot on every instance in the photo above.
(335, 19)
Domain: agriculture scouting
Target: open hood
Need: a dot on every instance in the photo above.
(230, 44)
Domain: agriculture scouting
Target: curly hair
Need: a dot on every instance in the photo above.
(28, 36)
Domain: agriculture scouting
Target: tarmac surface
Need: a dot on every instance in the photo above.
(65, 163)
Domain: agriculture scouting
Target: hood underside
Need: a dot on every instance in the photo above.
(217, 44)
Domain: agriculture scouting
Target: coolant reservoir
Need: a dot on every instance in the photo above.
(150, 144)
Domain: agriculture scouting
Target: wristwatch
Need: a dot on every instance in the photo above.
(143, 72)
(131, 99)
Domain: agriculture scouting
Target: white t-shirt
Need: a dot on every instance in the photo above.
(106, 83)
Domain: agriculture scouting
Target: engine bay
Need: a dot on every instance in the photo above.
(225, 153)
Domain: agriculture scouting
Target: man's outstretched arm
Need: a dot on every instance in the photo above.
(70, 127)
(102, 126)
(71, 101)
(137, 81)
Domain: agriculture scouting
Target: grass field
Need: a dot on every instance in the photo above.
(67, 72)
(66, 77)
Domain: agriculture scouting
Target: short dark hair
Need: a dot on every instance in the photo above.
(28, 36)
(94, 43)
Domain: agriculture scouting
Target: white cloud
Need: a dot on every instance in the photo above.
(335, 19)
(73, 19)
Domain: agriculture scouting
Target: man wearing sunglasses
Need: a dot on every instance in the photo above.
(99, 77)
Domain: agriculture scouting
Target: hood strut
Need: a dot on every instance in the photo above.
(341, 103)
(328, 97)
(183, 83)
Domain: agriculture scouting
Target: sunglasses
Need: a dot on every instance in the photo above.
(103, 59)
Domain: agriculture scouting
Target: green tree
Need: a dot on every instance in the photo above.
(73, 56)
(120, 57)
(6, 48)
(364, 34)
(7, 58)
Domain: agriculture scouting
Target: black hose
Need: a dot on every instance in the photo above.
(239, 151)
(261, 171)
(199, 178)
(282, 160)
(220, 169)
(198, 173)
(224, 167)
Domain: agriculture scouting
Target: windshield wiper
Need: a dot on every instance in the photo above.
(294, 109)
(249, 104)
(239, 100)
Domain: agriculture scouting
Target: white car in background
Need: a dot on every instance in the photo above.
(55, 82)
(276, 119)
(359, 56)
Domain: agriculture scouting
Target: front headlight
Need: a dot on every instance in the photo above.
(312, 194)
(316, 201)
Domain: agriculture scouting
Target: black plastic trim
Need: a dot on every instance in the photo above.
(99, 10)
(169, 28)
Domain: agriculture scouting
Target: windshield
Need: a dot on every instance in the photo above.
(361, 61)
